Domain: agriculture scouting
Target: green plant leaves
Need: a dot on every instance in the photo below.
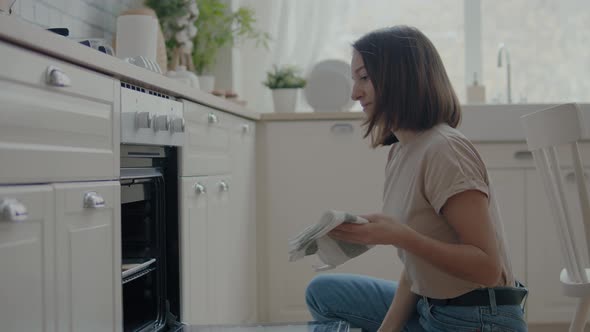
(285, 77)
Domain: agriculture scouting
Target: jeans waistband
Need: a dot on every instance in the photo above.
(486, 297)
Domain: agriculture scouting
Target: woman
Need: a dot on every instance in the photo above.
(438, 205)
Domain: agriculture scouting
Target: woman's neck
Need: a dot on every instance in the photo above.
(404, 135)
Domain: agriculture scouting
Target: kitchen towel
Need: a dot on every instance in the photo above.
(314, 240)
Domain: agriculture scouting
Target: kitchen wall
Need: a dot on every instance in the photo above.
(84, 18)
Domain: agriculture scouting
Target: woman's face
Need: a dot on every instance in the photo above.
(362, 89)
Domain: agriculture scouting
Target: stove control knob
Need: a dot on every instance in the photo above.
(143, 120)
(161, 123)
(177, 125)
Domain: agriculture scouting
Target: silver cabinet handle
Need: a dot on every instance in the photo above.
(143, 120)
(161, 123)
(92, 200)
(200, 189)
(56, 77)
(245, 128)
(177, 125)
(523, 155)
(342, 128)
(12, 210)
(212, 118)
(223, 186)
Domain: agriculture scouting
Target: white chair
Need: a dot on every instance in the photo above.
(545, 130)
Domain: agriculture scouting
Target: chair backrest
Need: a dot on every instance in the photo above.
(545, 130)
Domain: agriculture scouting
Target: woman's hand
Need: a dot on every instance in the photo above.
(381, 229)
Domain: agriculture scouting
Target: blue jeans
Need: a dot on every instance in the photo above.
(363, 302)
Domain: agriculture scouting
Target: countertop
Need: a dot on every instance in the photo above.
(16, 31)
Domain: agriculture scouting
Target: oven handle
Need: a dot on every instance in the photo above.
(138, 173)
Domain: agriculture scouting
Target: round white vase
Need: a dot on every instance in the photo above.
(284, 100)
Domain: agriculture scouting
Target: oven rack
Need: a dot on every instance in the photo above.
(137, 270)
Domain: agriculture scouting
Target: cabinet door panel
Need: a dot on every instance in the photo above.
(195, 237)
(243, 219)
(221, 249)
(207, 141)
(26, 258)
(47, 136)
(88, 257)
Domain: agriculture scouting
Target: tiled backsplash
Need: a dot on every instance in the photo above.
(84, 18)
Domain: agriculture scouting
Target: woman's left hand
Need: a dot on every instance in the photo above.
(381, 229)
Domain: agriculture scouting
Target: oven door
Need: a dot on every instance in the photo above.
(143, 249)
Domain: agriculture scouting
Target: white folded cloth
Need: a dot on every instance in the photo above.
(314, 240)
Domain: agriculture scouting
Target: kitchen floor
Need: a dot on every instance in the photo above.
(553, 328)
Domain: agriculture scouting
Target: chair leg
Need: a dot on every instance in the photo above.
(581, 315)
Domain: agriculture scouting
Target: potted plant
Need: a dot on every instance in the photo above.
(212, 26)
(285, 82)
(219, 27)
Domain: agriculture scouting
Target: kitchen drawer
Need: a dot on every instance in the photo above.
(207, 129)
(54, 135)
(31, 69)
(517, 155)
(207, 141)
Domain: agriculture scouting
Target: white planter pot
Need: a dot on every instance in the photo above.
(285, 100)
(207, 82)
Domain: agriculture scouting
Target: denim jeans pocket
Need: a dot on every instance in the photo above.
(507, 319)
(449, 318)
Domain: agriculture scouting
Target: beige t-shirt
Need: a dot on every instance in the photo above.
(421, 174)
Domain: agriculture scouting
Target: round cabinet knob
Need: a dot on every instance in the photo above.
(161, 123)
(92, 200)
(177, 125)
(200, 189)
(223, 186)
(143, 120)
(245, 128)
(12, 210)
(56, 77)
(212, 118)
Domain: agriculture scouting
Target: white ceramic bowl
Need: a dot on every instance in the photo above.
(329, 85)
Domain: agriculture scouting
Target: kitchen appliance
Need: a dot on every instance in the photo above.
(152, 126)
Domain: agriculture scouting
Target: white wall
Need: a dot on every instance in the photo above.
(84, 18)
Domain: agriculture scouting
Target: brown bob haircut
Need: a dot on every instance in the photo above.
(412, 89)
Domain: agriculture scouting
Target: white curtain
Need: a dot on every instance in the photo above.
(300, 31)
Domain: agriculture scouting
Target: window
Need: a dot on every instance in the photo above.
(548, 46)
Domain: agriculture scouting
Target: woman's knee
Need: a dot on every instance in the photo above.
(318, 285)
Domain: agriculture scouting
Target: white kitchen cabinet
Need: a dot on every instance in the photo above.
(26, 257)
(51, 133)
(61, 263)
(208, 258)
(310, 167)
(88, 256)
(218, 225)
(243, 217)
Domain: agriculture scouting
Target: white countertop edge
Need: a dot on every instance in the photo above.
(16, 31)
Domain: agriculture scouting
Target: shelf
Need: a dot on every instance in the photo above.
(135, 268)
